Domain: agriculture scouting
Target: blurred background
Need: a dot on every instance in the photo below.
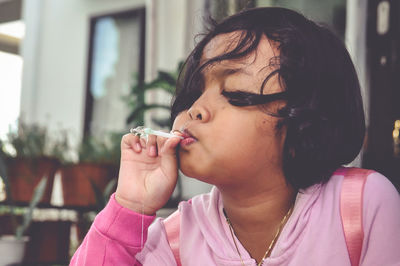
(75, 75)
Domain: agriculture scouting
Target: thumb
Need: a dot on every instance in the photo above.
(169, 147)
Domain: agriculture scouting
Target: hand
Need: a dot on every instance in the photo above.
(148, 172)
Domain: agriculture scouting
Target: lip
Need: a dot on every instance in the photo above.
(187, 134)
(188, 138)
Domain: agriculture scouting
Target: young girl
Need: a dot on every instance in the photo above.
(269, 107)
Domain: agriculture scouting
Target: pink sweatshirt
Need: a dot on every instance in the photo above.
(313, 234)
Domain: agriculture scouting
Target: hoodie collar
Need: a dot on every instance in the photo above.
(217, 234)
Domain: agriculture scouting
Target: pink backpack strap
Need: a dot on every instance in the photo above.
(172, 228)
(351, 203)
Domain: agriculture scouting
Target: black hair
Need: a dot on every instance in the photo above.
(323, 114)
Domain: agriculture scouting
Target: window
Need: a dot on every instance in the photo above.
(11, 34)
(116, 61)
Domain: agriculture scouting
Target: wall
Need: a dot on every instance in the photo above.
(356, 40)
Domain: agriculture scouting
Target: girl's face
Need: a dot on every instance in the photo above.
(231, 144)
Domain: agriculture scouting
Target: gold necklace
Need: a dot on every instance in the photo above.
(267, 253)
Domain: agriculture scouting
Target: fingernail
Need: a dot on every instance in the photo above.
(153, 151)
(138, 147)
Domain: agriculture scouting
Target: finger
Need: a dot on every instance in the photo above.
(176, 132)
(169, 147)
(152, 145)
(130, 141)
(160, 142)
(143, 142)
(173, 131)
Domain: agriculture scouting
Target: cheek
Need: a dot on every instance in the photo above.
(274, 140)
(266, 125)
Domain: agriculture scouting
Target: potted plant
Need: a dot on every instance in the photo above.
(12, 246)
(165, 81)
(97, 165)
(29, 157)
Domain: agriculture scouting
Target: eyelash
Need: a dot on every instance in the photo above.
(237, 98)
(242, 98)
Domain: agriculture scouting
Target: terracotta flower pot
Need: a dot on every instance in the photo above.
(77, 188)
(25, 173)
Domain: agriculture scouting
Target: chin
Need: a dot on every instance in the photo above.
(197, 167)
(188, 171)
(192, 171)
(199, 174)
(187, 164)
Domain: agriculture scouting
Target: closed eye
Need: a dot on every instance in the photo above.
(243, 98)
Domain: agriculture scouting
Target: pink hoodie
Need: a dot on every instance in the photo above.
(313, 234)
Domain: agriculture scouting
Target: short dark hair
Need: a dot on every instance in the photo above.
(323, 114)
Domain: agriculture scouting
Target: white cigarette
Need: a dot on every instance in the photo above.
(149, 131)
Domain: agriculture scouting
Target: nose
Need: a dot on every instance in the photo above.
(199, 112)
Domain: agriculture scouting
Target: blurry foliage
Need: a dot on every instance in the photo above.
(34, 141)
(61, 148)
(106, 150)
(165, 81)
(19, 226)
(3, 174)
(28, 141)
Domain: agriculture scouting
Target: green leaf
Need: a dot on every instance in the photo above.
(3, 168)
(36, 198)
(109, 190)
(180, 66)
(158, 84)
(162, 123)
(167, 77)
(141, 109)
(165, 81)
(98, 194)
